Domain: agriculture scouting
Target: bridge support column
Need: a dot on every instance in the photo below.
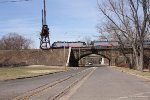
(102, 62)
(112, 62)
(74, 63)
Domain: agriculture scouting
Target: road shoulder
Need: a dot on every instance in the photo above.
(144, 75)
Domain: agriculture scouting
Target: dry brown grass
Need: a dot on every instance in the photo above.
(145, 73)
(19, 72)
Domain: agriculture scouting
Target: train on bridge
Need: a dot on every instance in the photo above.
(61, 44)
(77, 44)
(98, 44)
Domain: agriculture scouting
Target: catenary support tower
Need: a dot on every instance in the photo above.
(44, 39)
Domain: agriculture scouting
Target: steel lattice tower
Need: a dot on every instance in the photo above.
(44, 40)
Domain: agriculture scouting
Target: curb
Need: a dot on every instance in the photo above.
(28, 77)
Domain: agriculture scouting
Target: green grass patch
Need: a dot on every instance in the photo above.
(19, 72)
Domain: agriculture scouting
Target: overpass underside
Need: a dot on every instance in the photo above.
(78, 53)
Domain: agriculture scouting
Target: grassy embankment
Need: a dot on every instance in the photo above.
(19, 72)
(145, 73)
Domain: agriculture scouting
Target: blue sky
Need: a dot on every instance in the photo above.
(68, 20)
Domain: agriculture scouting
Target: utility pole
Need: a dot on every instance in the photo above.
(44, 40)
(65, 56)
(79, 55)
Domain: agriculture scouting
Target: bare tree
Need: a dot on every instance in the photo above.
(87, 40)
(128, 20)
(14, 41)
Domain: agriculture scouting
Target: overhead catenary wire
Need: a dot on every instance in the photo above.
(13, 1)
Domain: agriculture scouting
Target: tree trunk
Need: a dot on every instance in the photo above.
(137, 61)
(141, 60)
(129, 63)
(136, 55)
(139, 55)
(132, 60)
(149, 67)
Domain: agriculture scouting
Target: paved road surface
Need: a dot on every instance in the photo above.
(13, 88)
(108, 84)
(102, 83)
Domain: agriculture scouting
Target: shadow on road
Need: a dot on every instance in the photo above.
(94, 65)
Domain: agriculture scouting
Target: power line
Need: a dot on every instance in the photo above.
(13, 1)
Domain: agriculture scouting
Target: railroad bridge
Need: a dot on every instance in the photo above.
(61, 56)
(109, 53)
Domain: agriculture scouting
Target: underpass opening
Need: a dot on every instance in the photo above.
(93, 59)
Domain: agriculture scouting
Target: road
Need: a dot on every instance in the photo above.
(21, 88)
(93, 83)
(108, 84)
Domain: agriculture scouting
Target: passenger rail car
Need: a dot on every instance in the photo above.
(61, 44)
(104, 43)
